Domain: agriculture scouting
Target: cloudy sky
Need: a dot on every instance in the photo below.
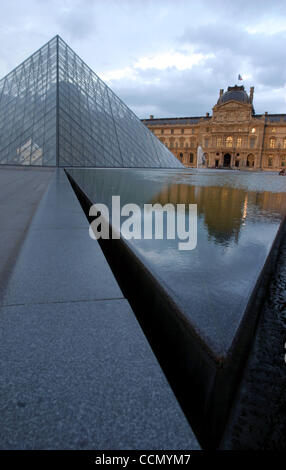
(162, 57)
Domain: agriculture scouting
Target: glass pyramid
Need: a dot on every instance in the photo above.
(55, 111)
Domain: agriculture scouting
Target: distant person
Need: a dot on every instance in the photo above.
(282, 172)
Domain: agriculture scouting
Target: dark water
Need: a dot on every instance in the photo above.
(238, 218)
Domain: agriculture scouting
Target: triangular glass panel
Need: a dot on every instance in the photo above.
(27, 104)
(55, 111)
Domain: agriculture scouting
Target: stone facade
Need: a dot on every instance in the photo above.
(233, 137)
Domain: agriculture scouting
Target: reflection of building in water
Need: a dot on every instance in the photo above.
(275, 202)
(224, 209)
(221, 207)
(234, 136)
(244, 212)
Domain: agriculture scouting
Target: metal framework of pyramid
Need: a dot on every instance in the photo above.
(55, 111)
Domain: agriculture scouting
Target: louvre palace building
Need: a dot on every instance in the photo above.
(233, 137)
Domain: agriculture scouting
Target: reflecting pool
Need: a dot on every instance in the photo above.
(239, 214)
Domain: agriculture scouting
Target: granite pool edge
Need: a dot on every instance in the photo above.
(190, 366)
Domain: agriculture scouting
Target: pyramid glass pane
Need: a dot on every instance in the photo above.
(28, 110)
(55, 111)
(96, 128)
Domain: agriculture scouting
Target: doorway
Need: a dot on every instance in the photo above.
(226, 160)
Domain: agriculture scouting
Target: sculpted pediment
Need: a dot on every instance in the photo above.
(232, 111)
(230, 105)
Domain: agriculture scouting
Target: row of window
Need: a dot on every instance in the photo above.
(229, 142)
(273, 143)
(249, 162)
(270, 160)
(182, 131)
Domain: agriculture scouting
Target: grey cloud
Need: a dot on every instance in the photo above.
(243, 11)
(110, 35)
(235, 49)
(78, 21)
(191, 92)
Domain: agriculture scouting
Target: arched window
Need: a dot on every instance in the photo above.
(272, 143)
(283, 160)
(218, 142)
(181, 156)
(270, 161)
(239, 142)
(192, 143)
(191, 158)
(229, 142)
(252, 142)
(250, 160)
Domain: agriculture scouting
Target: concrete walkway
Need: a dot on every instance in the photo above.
(76, 371)
(20, 191)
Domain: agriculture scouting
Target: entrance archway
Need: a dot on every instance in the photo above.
(250, 160)
(226, 160)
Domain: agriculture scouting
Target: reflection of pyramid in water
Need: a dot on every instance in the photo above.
(55, 111)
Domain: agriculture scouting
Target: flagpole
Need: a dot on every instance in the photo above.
(239, 78)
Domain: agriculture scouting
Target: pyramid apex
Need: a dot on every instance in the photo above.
(55, 111)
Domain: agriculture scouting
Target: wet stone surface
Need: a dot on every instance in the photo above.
(258, 417)
(238, 219)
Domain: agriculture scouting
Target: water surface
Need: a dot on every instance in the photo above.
(239, 214)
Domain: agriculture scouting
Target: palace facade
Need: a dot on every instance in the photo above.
(234, 136)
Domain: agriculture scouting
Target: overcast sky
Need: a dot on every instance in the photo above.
(162, 57)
